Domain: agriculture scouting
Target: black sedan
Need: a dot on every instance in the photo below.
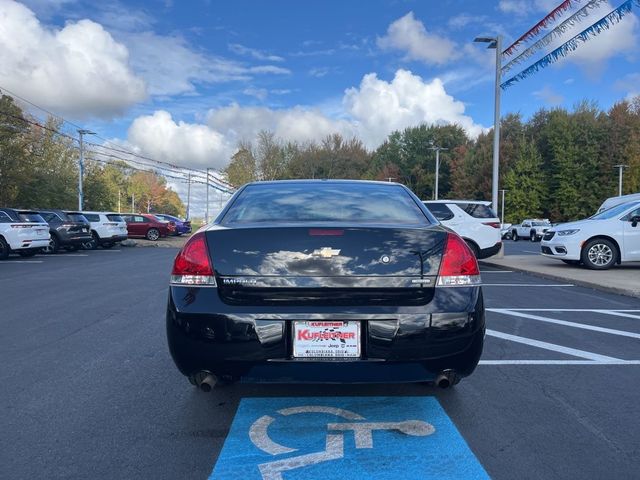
(325, 281)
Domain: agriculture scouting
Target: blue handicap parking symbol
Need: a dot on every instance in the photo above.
(344, 438)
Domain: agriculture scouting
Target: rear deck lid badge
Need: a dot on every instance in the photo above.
(326, 252)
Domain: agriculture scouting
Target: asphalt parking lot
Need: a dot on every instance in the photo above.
(89, 389)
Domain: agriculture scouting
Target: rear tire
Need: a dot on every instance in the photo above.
(533, 236)
(93, 243)
(54, 245)
(153, 234)
(474, 248)
(508, 236)
(599, 254)
(4, 249)
(514, 236)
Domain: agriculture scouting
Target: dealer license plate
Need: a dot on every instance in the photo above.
(326, 339)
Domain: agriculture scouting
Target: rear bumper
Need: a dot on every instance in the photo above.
(114, 239)
(399, 344)
(21, 245)
(489, 252)
(75, 238)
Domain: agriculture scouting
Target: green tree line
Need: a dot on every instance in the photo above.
(558, 164)
(39, 169)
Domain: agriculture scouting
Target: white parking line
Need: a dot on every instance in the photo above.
(597, 310)
(557, 362)
(622, 333)
(618, 313)
(20, 261)
(553, 347)
(528, 285)
(496, 271)
(107, 250)
(63, 255)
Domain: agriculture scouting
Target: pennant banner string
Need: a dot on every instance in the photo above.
(550, 17)
(555, 33)
(612, 18)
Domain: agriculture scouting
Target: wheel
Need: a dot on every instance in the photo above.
(107, 245)
(474, 248)
(572, 262)
(153, 234)
(514, 235)
(93, 243)
(28, 253)
(72, 248)
(599, 254)
(532, 236)
(54, 245)
(4, 249)
(508, 236)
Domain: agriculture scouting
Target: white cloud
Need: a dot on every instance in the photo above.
(181, 143)
(630, 84)
(548, 96)
(516, 7)
(79, 69)
(379, 107)
(409, 35)
(254, 53)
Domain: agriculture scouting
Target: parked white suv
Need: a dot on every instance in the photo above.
(107, 228)
(23, 232)
(474, 221)
(531, 228)
(600, 241)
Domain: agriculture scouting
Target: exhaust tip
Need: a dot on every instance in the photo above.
(205, 387)
(205, 381)
(446, 379)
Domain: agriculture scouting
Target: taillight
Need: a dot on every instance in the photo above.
(459, 267)
(492, 224)
(192, 265)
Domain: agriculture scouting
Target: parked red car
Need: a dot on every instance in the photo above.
(147, 226)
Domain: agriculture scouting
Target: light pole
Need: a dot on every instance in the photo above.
(502, 211)
(620, 170)
(437, 149)
(206, 215)
(188, 195)
(496, 43)
(81, 132)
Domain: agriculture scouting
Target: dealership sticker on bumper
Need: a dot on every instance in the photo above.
(326, 339)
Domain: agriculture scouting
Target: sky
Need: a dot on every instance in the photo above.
(185, 81)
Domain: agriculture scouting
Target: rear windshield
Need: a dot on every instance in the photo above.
(78, 217)
(325, 202)
(31, 218)
(115, 218)
(440, 211)
(477, 210)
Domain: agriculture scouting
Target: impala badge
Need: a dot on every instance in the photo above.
(326, 252)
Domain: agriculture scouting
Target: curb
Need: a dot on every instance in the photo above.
(559, 278)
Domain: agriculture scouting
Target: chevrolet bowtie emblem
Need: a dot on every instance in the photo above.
(326, 252)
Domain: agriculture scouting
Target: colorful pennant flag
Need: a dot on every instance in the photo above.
(612, 18)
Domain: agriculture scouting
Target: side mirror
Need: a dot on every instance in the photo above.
(635, 220)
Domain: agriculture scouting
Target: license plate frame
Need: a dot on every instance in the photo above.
(326, 339)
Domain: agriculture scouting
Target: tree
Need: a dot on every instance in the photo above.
(526, 184)
(13, 128)
(242, 168)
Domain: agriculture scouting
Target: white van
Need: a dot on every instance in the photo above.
(613, 201)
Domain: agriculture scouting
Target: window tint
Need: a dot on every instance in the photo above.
(325, 202)
(477, 210)
(4, 218)
(440, 211)
(92, 217)
(78, 217)
(31, 217)
(115, 218)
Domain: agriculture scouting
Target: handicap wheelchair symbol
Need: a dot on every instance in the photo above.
(334, 449)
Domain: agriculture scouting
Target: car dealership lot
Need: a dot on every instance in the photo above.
(89, 388)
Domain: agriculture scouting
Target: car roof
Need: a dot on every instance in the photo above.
(322, 181)
(479, 202)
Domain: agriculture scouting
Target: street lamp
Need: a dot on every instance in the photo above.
(81, 132)
(437, 150)
(502, 212)
(495, 43)
(620, 169)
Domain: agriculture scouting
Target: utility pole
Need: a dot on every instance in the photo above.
(390, 179)
(495, 43)
(502, 211)
(188, 195)
(148, 206)
(437, 150)
(206, 215)
(81, 132)
(620, 170)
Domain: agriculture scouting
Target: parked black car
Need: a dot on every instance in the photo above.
(325, 281)
(66, 232)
